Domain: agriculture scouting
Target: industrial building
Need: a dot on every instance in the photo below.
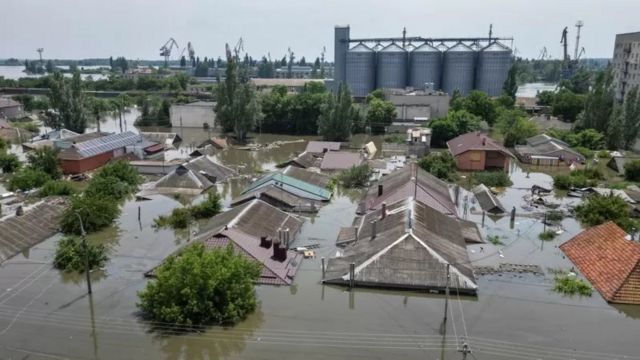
(626, 57)
(447, 64)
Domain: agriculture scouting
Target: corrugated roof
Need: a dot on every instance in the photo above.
(318, 147)
(608, 260)
(298, 187)
(360, 48)
(100, 145)
(197, 174)
(411, 249)
(459, 47)
(340, 160)
(488, 202)
(496, 47)
(311, 177)
(304, 160)
(474, 141)
(393, 47)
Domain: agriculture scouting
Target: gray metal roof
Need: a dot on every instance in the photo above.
(426, 48)
(107, 143)
(393, 47)
(496, 46)
(459, 47)
(442, 47)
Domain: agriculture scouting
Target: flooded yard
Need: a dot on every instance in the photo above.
(45, 314)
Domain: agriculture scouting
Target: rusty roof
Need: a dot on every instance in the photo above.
(340, 160)
(608, 260)
(474, 141)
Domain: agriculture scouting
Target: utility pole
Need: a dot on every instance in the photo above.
(446, 291)
(86, 253)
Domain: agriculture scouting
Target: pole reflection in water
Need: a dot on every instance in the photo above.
(93, 327)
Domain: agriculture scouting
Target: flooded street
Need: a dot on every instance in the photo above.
(45, 314)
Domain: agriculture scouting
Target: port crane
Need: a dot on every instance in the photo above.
(165, 50)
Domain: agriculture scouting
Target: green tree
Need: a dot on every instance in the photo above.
(120, 104)
(615, 130)
(598, 209)
(375, 94)
(480, 104)
(237, 106)
(45, 159)
(68, 103)
(579, 82)
(96, 213)
(454, 124)
(27, 178)
(598, 105)
(567, 104)
(183, 61)
(515, 127)
(545, 98)
(588, 138)
(56, 188)
(510, 86)
(356, 176)
(71, 255)
(202, 287)
(632, 170)
(123, 171)
(8, 162)
(335, 121)
(49, 66)
(99, 108)
(380, 114)
(440, 164)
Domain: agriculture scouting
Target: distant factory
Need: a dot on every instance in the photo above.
(445, 64)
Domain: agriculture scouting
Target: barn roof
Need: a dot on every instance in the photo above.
(100, 145)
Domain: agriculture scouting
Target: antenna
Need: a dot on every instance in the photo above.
(490, 31)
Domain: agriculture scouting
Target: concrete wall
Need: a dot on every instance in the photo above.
(193, 115)
(410, 106)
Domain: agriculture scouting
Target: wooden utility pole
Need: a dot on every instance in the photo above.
(446, 291)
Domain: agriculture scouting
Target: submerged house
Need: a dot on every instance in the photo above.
(476, 151)
(285, 192)
(321, 147)
(305, 160)
(340, 160)
(609, 260)
(405, 245)
(311, 177)
(193, 177)
(401, 184)
(545, 150)
(258, 231)
(616, 163)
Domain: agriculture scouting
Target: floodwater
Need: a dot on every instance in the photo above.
(532, 89)
(46, 314)
(17, 72)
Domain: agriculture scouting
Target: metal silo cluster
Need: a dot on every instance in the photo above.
(391, 67)
(492, 68)
(425, 66)
(360, 70)
(458, 70)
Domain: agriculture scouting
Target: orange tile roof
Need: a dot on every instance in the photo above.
(608, 260)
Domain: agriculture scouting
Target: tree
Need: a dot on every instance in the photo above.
(515, 127)
(480, 104)
(202, 287)
(334, 122)
(615, 131)
(454, 124)
(56, 188)
(121, 170)
(598, 209)
(510, 86)
(8, 162)
(598, 104)
(183, 61)
(237, 107)
(632, 170)
(545, 98)
(96, 213)
(68, 102)
(440, 164)
(375, 94)
(27, 179)
(99, 108)
(567, 104)
(120, 104)
(45, 159)
(71, 255)
(631, 117)
(588, 138)
(380, 114)
(579, 82)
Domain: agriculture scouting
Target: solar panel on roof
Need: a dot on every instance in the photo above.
(107, 143)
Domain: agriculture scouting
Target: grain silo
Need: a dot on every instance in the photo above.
(492, 69)
(360, 70)
(425, 66)
(391, 67)
(442, 47)
(458, 69)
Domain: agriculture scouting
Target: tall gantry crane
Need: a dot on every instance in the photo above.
(579, 26)
(40, 50)
(165, 50)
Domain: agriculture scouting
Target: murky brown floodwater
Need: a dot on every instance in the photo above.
(46, 315)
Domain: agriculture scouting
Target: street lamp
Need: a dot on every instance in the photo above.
(86, 253)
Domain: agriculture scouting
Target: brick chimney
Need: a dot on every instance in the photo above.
(279, 251)
(484, 141)
(265, 242)
(380, 189)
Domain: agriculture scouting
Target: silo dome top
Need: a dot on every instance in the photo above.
(426, 48)
(361, 48)
(393, 47)
(497, 47)
(459, 47)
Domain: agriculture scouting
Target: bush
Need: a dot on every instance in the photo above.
(495, 240)
(9, 162)
(45, 159)
(584, 152)
(580, 178)
(598, 209)
(96, 213)
(547, 235)
(491, 178)
(208, 208)
(395, 138)
(70, 255)
(569, 285)
(121, 170)
(178, 219)
(440, 164)
(202, 287)
(57, 188)
(357, 176)
(27, 179)
(107, 187)
(632, 170)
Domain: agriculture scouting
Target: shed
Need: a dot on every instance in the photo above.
(407, 245)
(487, 200)
(610, 262)
(476, 151)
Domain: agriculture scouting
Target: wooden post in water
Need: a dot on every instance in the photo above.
(352, 275)
(323, 268)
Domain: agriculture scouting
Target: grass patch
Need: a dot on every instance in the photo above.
(570, 285)
(491, 178)
(554, 215)
(495, 240)
(395, 139)
(547, 235)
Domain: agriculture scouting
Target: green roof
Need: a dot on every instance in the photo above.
(293, 185)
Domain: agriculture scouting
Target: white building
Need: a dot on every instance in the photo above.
(200, 114)
(626, 61)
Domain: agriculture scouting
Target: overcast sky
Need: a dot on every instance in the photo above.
(138, 28)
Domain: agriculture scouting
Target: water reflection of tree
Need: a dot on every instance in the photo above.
(214, 343)
(355, 195)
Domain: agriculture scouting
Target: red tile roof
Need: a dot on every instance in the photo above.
(609, 261)
(474, 141)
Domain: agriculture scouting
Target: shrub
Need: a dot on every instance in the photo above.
(45, 159)
(580, 178)
(202, 287)
(9, 162)
(27, 179)
(121, 170)
(357, 176)
(96, 213)
(547, 235)
(495, 240)
(569, 285)
(108, 187)
(491, 178)
(603, 154)
(554, 215)
(598, 209)
(208, 208)
(70, 255)
(57, 187)
(632, 170)
(584, 152)
(178, 219)
(440, 164)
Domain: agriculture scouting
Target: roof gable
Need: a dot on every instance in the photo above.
(604, 256)
(474, 141)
